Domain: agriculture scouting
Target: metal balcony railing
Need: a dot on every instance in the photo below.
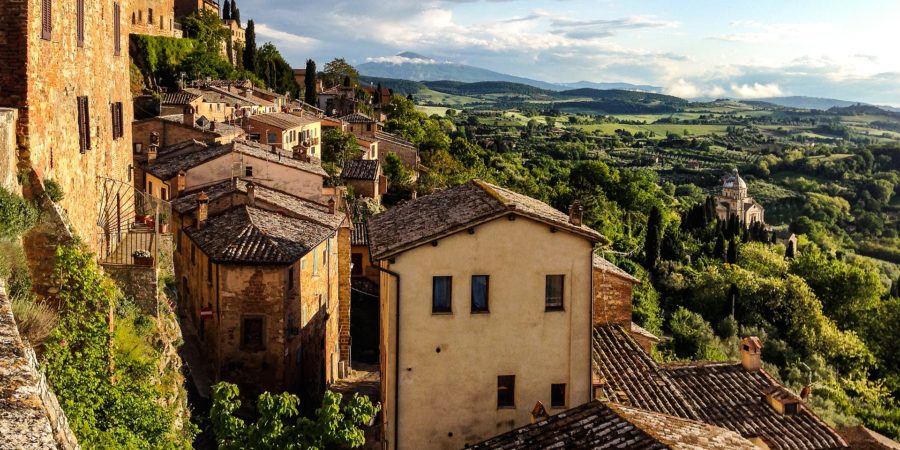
(130, 223)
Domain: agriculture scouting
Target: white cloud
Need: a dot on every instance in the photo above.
(283, 37)
(399, 59)
(685, 89)
(756, 90)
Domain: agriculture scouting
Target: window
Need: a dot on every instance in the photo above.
(506, 391)
(480, 293)
(84, 124)
(254, 137)
(163, 193)
(118, 128)
(554, 293)
(441, 294)
(790, 409)
(357, 261)
(252, 333)
(150, 16)
(271, 138)
(117, 29)
(290, 278)
(558, 395)
(368, 127)
(315, 263)
(138, 147)
(149, 187)
(46, 19)
(79, 22)
(248, 171)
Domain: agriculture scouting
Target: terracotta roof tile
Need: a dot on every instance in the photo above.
(283, 120)
(358, 118)
(453, 209)
(603, 265)
(359, 235)
(361, 169)
(596, 425)
(179, 98)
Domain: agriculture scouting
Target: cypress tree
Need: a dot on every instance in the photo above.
(309, 82)
(410, 97)
(652, 240)
(719, 250)
(235, 13)
(732, 252)
(250, 49)
(774, 237)
(790, 251)
(226, 10)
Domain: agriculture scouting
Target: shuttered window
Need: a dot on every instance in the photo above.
(117, 30)
(79, 22)
(84, 125)
(118, 129)
(46, 19)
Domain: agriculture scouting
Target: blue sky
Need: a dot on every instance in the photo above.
(706, 48)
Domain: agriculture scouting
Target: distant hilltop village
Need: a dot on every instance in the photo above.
(477, 317)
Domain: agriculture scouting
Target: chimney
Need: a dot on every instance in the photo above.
(202, 209)
(538, 412)
(188, 116)
(251, 193)
(751, 352)
(212, 126)
(179, 184)
(151, 152)
(576, 213)
(331, 205)
(414, 195)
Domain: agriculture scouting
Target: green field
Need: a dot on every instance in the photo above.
(659, 129)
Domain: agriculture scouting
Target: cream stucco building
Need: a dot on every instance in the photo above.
(485, 310)
(734, 201)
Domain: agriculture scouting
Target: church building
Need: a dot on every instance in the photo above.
(734, 201)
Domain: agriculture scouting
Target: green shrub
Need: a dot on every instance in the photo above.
(34, 319)
(17, 215)
(53, 190)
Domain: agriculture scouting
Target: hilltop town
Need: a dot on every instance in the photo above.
(205, 247)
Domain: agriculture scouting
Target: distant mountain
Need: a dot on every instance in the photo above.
(808, 102)
(607, 86)
(416, 67)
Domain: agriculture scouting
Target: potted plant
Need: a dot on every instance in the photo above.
(142, 258)
(163, 223)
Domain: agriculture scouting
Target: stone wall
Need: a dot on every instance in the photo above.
(30, 415)
(161, 23)
(344, 294)
(612, 299)
(138, 284)
(42, 240)
(8, 160)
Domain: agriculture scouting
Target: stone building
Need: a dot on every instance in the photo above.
(209, 106)
(259, 276)
(164, 131)
(72, 125)
(192, 164)
(365, 177)
(185, 8)
(613, 301)
(153, 17)
(298, 133)
(234, 46)
(734, 201)
(508, 323)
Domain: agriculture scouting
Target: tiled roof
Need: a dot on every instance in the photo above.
(294, 206)
(359, 235)
(454, 209)
(283, 120)
(357, 118)
(730, 396)
(862, 438)
(169, 162)
(637, 329)
(394, 139)
(179, 98)
(237, 93)
(250, 235)
(721, 394)
(602, 264)
(596, 425)
(628, 375)
(211, 96)
(361, 169)
(219, 129)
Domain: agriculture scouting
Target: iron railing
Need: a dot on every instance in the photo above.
(129, 223)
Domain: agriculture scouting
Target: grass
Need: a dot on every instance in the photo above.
(659, 129)
(34, 319)
(440, 98)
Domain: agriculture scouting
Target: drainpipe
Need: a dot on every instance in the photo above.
(396, 356)
(591, 327)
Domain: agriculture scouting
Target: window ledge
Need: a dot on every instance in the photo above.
(554, 309)
(442, 313)
(480, 313)
(506, 407)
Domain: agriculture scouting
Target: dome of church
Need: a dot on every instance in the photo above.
(734, 181)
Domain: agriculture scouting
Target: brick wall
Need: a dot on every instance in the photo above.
(612, 299)
(8, 160)
(344, 295)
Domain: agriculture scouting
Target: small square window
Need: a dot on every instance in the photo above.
(248, 171)
(290, 278)
(506, 391)
(441, 294)
(553, 299)
(356, 259)
(480, 285)
(558, 395)
(252, 332)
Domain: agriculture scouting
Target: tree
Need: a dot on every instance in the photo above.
(280, 425)
(339, 146)
(652, 239)
(235, 12)
(790, 251)
(396, 171)
(693, 337)
(226, 10)
(732, 251)
(250, 49)
(719, 250)
(309, 83)
(336, 71)
(275, 71)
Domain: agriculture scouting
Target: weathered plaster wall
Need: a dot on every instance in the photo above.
(8, 160)
(288, 179)
(518, 337)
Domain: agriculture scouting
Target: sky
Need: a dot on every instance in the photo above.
(848, 50)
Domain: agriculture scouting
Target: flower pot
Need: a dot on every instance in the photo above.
(146, 261)
(163, 228)
(149, 221)
(140, 218)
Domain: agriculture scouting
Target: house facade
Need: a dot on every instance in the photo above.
(290, 132)
(153, 18)
(258, 273)
(462, 287)
(72, 125)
